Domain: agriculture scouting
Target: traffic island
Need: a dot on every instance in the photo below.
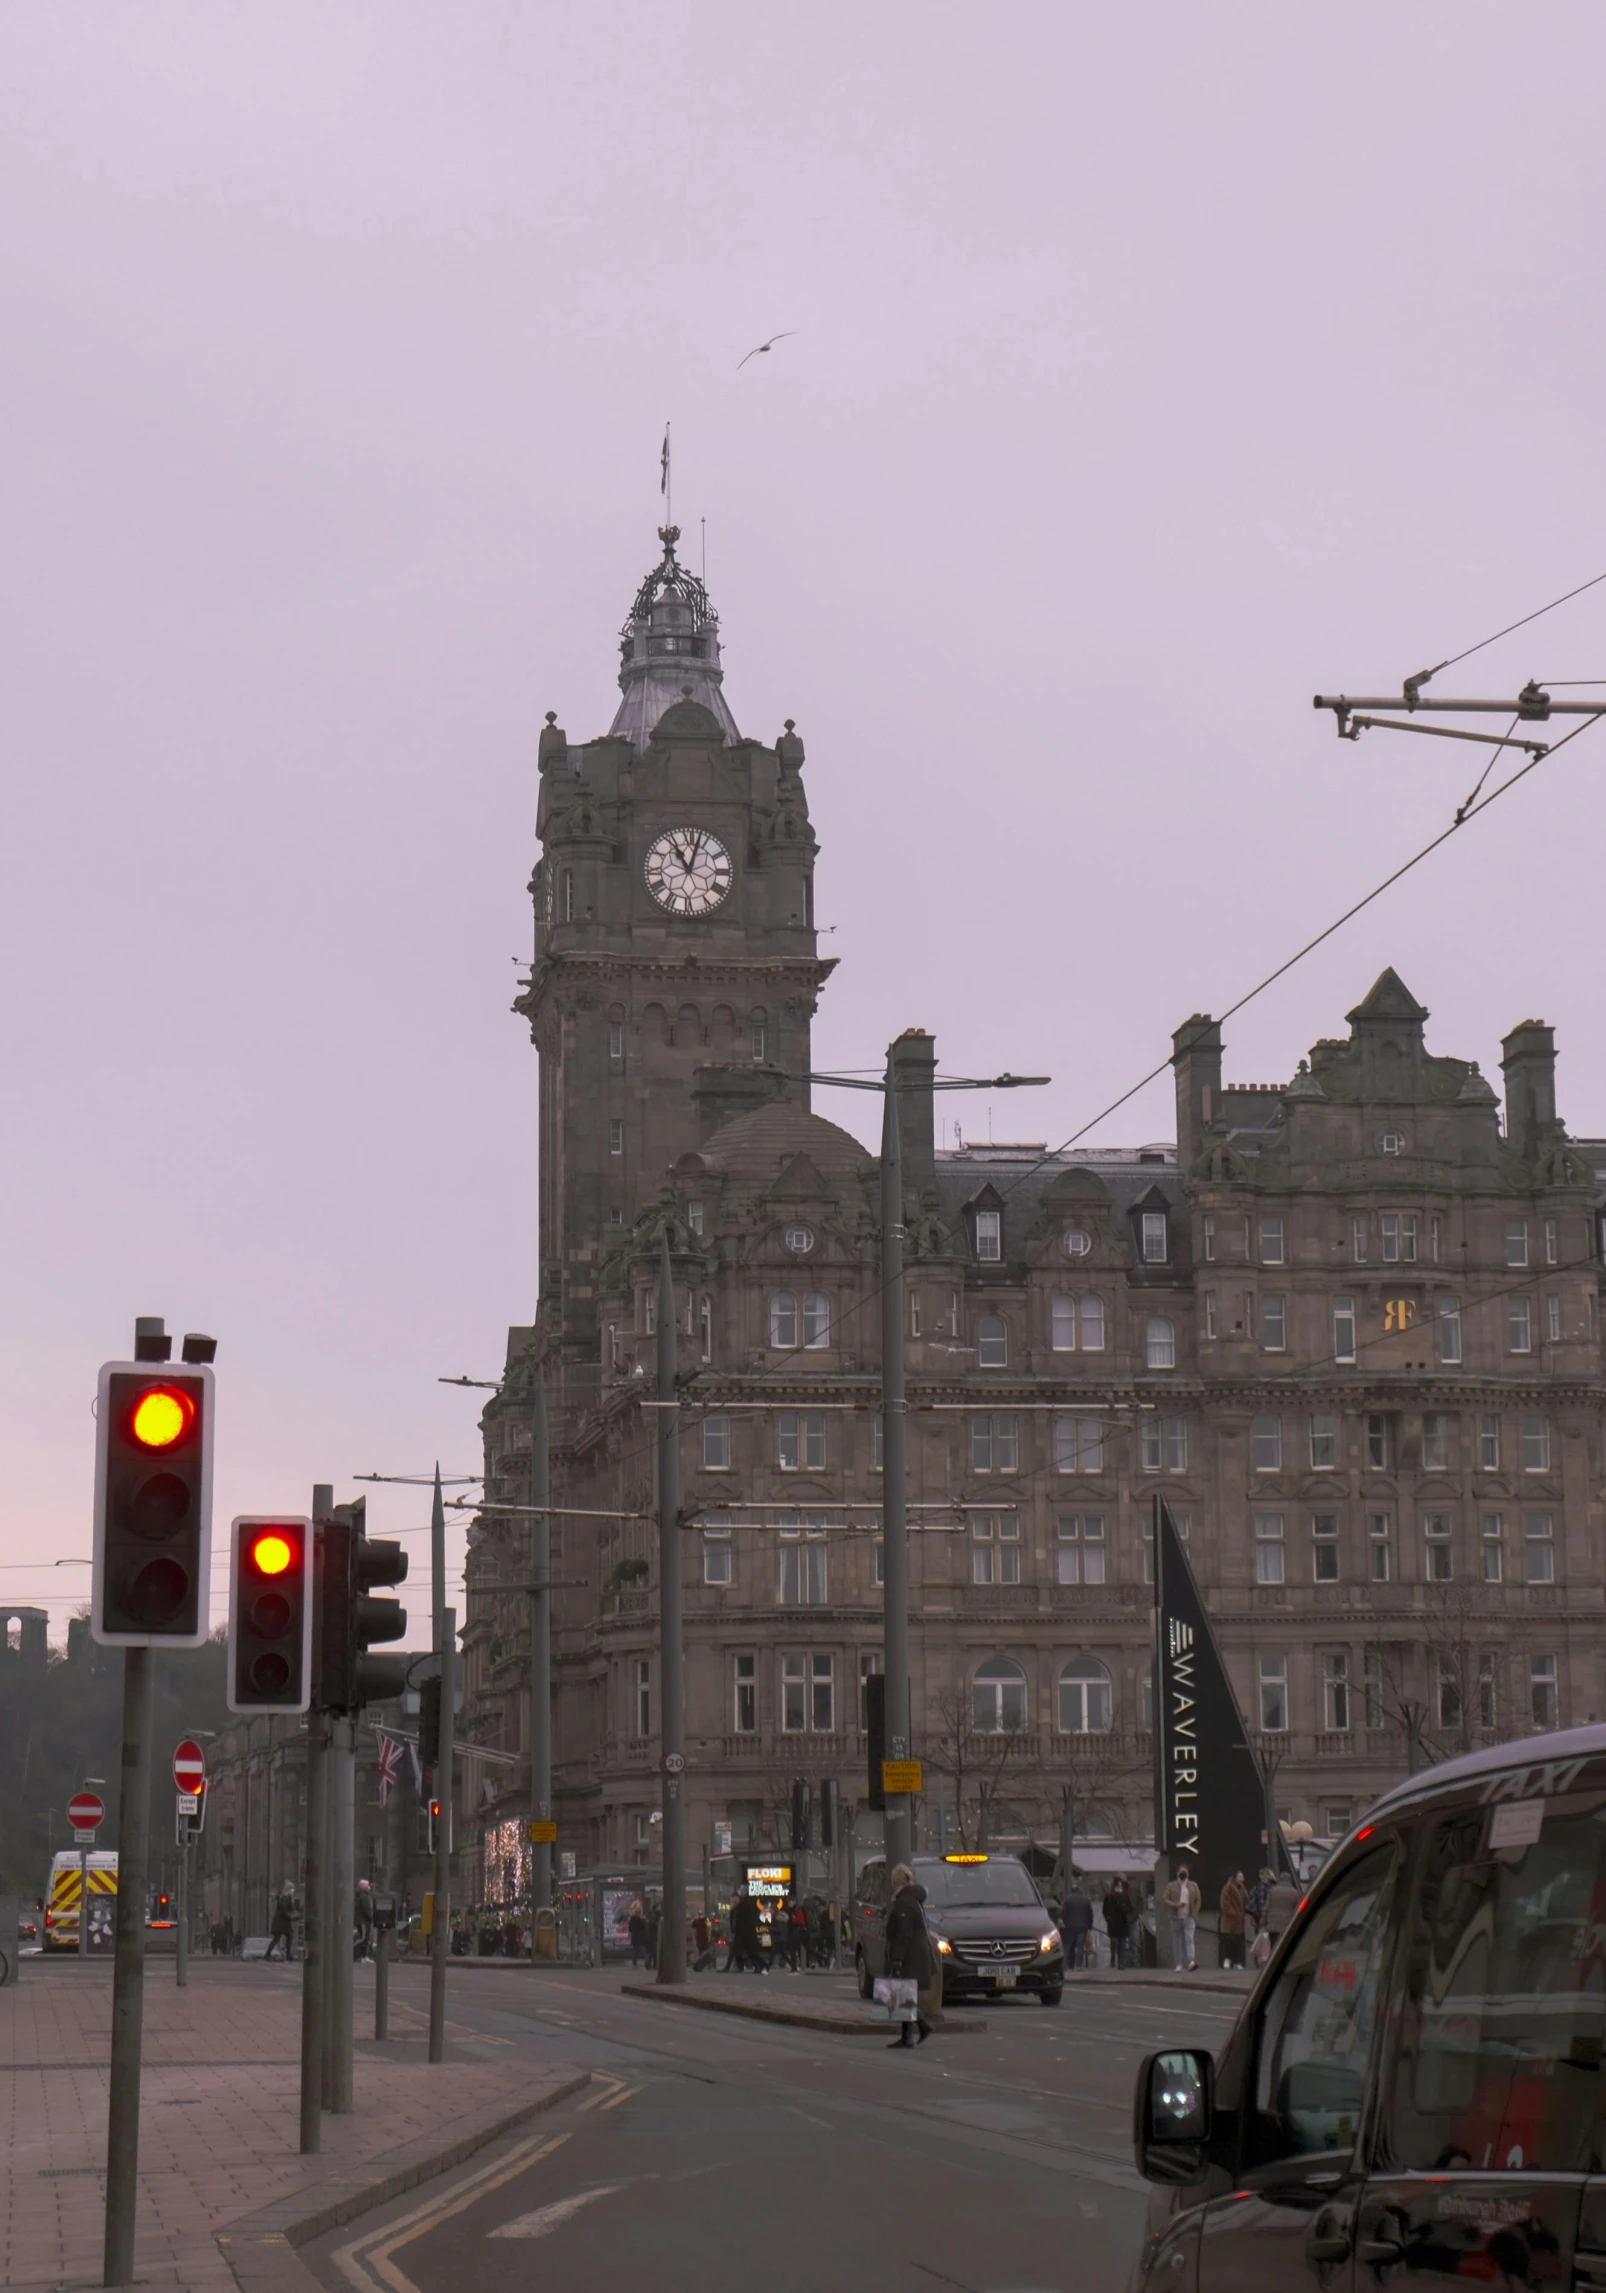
(798, 2012)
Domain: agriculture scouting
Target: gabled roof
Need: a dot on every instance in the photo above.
(1388, 998)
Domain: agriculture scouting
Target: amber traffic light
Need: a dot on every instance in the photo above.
(270, 1614)
(153, 1504)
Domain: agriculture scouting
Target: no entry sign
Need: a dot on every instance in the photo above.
(86, 1811)
(189, 1769)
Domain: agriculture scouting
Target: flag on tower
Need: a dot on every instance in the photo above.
(663, 465)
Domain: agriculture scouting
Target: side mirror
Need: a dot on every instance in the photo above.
(1171, 2119)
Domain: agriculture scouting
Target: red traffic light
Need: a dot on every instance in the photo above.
(162, 1415)
(270, 1615)
(272, 1552)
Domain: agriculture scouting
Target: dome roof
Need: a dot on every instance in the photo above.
(669, 652)
(759, 1145)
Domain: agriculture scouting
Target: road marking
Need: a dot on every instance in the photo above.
(613, 2090)
(547, 2218)
(367, 2261)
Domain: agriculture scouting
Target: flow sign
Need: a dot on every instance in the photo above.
(86, 1811)
(189, 1768)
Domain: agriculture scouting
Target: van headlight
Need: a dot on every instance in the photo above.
(945, 1949)
(1050, 1941)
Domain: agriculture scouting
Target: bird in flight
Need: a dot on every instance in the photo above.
(770, 345)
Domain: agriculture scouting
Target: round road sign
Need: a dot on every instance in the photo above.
(189, 1768)
(85, 1810)
(674, 1763)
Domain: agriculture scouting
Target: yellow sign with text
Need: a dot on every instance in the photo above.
(900, 1777)
(543, 1834)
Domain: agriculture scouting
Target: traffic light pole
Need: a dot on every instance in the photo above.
(671, 1643)
(540, 1656)
(342, 1911)
(128, 1977)
(314, 1882)
(894, 1494)
(316, 1942)
(441, 1939)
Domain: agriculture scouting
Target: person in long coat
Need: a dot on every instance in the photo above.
(911, 1954)
(1234, 1910)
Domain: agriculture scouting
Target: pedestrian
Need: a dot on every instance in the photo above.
(702, 1949)
(280, 1927)
(363, 1938)
(1234, 1910)
(1076, 1918)
(650, 1938)
(638, 1930)
(1182, 1900)
(798, 1936)
(745, 1951)
(1281, 1904)
(1118, 1917)
(217, 1938)
(910, 1956)
(1257, 1898)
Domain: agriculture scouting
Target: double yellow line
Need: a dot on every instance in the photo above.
(369, 2262)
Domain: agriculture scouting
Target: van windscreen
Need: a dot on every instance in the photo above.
(958, 1886)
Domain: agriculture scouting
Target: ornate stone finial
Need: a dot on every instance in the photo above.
(552, 716)
(789, 749)
(669, 535)
(791, 724)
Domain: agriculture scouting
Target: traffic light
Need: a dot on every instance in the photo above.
(353, 1562)
(875, 1734)
(162, 1912)
(153, 1504)
(830, 1811)
(802, 1814)
(434, 1818)
(429, 1721)
(270, 1614)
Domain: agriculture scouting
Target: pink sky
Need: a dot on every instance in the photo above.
(1151, 369)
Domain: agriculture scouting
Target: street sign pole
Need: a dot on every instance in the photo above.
(899, 1832)
(314, 1947)
(182, 1965)
(441, 1939)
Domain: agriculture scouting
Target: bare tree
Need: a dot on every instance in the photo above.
(1450, 1681)
(1096, 1768)
(973, 1759)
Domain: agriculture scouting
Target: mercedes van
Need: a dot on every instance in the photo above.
(1415, 2091)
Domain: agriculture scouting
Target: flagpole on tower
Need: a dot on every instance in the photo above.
(665, 481)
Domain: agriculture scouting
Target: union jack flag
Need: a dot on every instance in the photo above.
(390, 1753)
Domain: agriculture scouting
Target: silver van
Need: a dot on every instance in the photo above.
(1415, 2092)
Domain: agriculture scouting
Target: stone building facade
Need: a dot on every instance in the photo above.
(1348, 1325)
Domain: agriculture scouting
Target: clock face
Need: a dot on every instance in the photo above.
(688, 871)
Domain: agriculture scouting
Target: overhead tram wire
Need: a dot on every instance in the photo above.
(1467, 814)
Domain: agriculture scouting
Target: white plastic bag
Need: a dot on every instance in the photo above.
(897, 1999)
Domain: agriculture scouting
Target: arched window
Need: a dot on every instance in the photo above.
(816, 1320)
(1062, 1324)
(992, 1335)
(1092, 1325)
(1084, 1698)
(783, 1319)
(1160, 1343)
(998, 1697)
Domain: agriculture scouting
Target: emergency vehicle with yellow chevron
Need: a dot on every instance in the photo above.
(62, 1904)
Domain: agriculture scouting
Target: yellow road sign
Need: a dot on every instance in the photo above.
(899, 1777)
(543, 1834)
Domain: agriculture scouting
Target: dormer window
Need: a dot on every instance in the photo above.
(1392, 1142)
(989, 1235)
(694, 1217)
(1152, 1238)
(1078, 1242)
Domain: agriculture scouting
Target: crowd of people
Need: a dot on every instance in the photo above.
(1249, 1919)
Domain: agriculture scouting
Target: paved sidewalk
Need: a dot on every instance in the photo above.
(218, 2119)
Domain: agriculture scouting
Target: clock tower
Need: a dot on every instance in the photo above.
(675, 969)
